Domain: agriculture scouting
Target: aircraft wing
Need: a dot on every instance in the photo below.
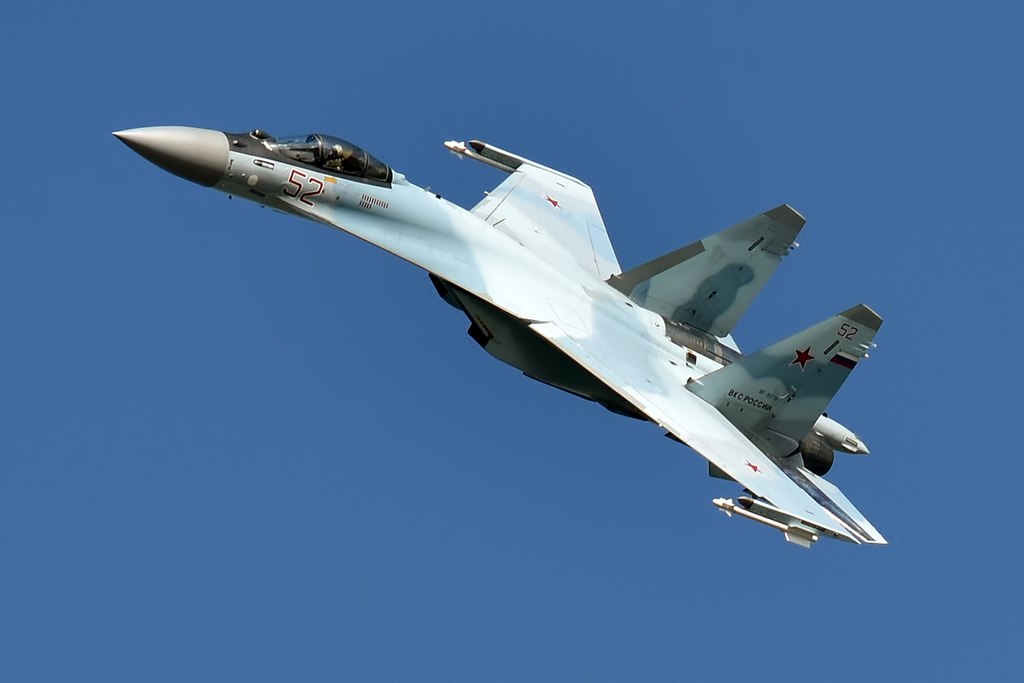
(550, 213)
(658, 389)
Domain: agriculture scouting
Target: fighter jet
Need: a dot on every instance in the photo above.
(533, 269)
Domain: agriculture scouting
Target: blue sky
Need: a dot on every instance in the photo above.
(238, 446)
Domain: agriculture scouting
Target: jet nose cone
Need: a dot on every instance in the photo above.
(195, 154)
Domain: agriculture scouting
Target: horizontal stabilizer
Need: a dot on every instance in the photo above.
(711, 283)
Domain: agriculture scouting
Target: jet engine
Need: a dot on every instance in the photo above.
(817, 453)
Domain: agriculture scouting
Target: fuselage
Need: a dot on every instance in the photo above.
(533, 269)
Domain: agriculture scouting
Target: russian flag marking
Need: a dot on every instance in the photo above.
(845, 360)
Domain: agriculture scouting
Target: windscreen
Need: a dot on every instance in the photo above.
(331, 154)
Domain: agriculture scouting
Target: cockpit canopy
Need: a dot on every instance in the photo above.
(331, 154)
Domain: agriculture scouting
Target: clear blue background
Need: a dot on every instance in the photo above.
(239, 446)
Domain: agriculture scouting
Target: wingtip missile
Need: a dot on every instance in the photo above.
(793, 532)
(484, 153)
(455, 147)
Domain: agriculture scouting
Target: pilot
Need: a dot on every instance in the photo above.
(339, 158)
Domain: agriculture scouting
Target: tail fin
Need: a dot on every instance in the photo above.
(775, 395)
(711, 283)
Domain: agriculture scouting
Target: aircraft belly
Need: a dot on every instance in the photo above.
(510, 340)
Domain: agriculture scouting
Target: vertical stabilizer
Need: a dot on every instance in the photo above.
(710, 284)
(775, 395)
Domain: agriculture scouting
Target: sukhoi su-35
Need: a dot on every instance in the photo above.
(533, 269)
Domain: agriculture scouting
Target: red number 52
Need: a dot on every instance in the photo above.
(295, 187)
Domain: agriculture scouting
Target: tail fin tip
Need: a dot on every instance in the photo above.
(863, 315)
(787, 216)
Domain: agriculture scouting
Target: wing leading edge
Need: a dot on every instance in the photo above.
(806, 504)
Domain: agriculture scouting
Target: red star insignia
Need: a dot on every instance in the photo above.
(803, 358)
(554, 202)
(753, 467)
